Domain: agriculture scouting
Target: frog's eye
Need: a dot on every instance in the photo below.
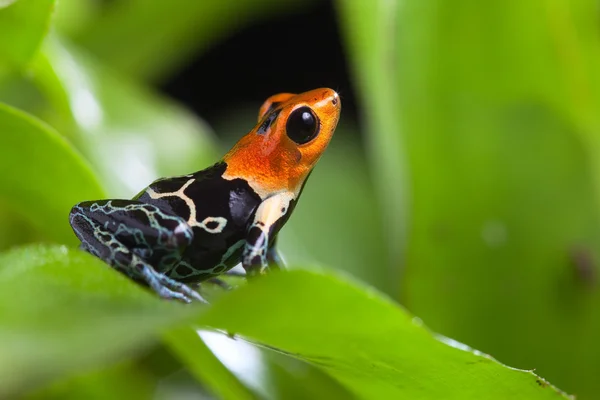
(302, 125)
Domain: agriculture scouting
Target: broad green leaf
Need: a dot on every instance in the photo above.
(41, 177)
(148, 39)
(23, 25)
(254, 372)
(63, 312)
(294, 379)
(496, 103)
(368, 26)
(130, 135)
(202, 362)
(365, 341)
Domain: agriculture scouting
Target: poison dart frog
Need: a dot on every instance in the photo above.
(192, 228)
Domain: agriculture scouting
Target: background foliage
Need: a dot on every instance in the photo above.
(470, 197)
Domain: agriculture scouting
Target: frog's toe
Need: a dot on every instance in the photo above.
(192, 293)
(168, 288)
(169, 294)
(197, 296)
(182, 288)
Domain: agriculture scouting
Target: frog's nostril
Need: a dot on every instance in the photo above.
(334, 101)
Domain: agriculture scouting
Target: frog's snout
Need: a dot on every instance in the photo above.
(327, 102)
(336, 98)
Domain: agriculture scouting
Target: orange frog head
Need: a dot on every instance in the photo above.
(292, 133)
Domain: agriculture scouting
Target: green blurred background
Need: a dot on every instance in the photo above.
(463, 180)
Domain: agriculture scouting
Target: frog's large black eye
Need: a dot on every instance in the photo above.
(302, 125)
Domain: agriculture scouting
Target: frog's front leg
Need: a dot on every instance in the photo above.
(135, 238)
(259, 252)
(274, 261)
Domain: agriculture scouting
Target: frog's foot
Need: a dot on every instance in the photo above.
(259, 255)
(119, 233)
(166, 287)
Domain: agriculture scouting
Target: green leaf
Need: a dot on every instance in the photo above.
(202, 362)
(146, 39)
(15, 229)
(73, 16)
(6, 3)
(253, 372)
(294, 379)
(43, 176)
(23, 25)
(63, 311)
(124, 380)
(365, 341)
(130, 135)
(496, 104)
(368, 26)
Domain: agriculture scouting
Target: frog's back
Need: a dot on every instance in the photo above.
(217, 210)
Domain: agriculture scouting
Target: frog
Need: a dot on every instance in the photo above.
(181, 231)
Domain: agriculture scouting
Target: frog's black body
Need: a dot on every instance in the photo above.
(188, 228)
(222, 210)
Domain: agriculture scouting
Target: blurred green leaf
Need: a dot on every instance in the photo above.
(23, 25)
(571, 30)
(15, 228)
(363, 340)
(63, 311)
(73, 16)
(144, 39)
(368, 26)
(6, 3)
(42, 175)
(121, 381)
(130, 135)
(497, 105)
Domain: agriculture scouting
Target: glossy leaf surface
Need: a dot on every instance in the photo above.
(63, 311)
(377, 351)
(362, 339)
(42, 176)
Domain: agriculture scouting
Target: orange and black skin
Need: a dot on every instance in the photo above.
(195, 227)
(270, 160)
